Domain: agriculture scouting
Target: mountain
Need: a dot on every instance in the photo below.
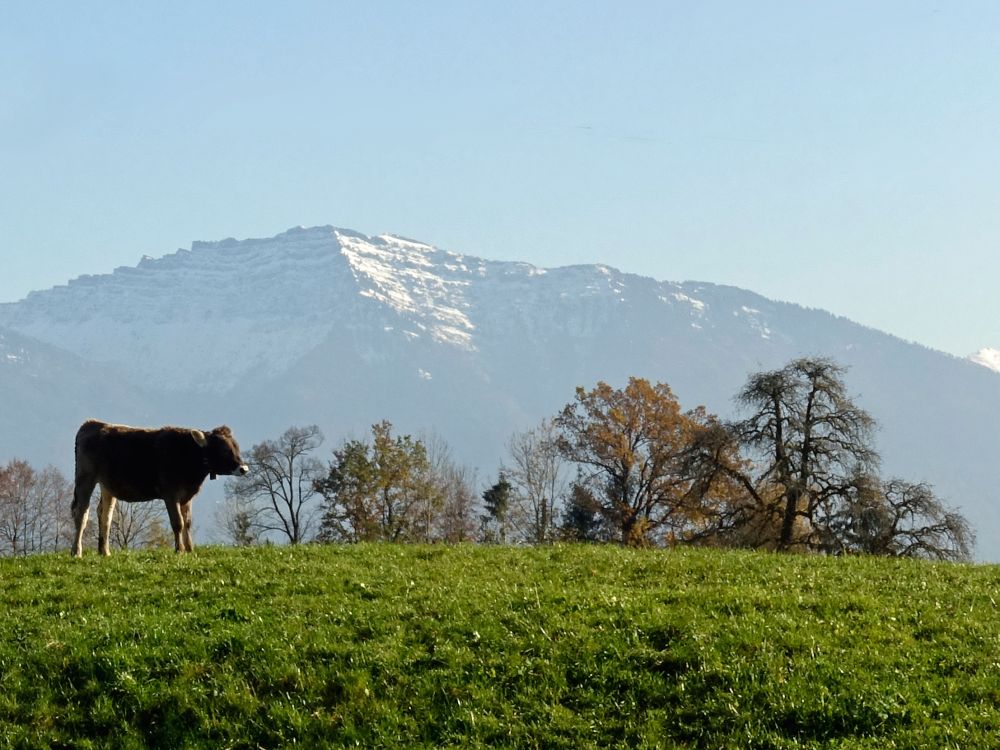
(987, 358)
(46, 392)
(329, 326)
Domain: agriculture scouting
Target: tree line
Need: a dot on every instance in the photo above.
(798, 471)
(35, 515)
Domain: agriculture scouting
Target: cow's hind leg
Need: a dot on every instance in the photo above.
(105, 509)
(82, 492)
(176, 523)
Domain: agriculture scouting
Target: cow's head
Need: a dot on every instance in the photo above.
(222, 452)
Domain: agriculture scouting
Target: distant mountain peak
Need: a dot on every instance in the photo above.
(987, 357)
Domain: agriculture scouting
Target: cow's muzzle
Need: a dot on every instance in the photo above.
(243, 470)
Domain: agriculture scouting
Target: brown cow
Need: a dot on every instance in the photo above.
(136, 464)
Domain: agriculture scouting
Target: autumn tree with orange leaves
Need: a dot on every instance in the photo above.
(632, 445)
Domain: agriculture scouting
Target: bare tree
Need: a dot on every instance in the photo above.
(805, 475)
(34, 509)
(277, 494)
(139, 526)
(808, 440)
(17, 509)
(235, 516)
(453, 518)
(54, 528)
(537, 474)
(457, 520)
(897, 518)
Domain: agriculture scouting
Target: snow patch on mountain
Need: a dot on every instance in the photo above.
(10, 352)
(421, 282)
(987, 357)
(697, 306)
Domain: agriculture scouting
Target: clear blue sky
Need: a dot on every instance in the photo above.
(843, 155)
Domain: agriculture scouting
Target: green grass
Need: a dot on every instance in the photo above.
(387, 646)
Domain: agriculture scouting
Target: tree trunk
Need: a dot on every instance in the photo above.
(788, 521)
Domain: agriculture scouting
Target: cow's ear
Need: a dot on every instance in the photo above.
(199, 438)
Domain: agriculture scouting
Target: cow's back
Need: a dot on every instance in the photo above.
(127, 461)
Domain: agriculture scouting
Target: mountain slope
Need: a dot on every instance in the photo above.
(47, 392)
(329, 326)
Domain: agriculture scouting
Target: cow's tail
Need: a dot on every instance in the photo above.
(76, 470)
(77, 448)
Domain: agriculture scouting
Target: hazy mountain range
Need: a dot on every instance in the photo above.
(329, 326)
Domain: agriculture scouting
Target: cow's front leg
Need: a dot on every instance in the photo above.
(105, 509)
(185, 509)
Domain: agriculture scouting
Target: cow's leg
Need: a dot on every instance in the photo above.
(185, 509)
(176, 523)
(105, 509)
(82, 491)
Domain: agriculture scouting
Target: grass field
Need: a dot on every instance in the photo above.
(566, 646)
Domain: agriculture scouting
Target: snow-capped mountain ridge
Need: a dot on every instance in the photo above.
(285, 294)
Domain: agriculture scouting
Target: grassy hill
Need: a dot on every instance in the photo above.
(380, 646)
